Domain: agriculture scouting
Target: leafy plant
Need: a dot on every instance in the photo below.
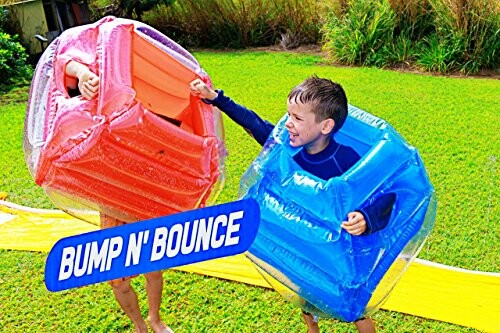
(239, 23)
(437, 55)
(470, 29)
(14, 68)
(402, 51)
(359, 35)
(437, 35)
(134, 9)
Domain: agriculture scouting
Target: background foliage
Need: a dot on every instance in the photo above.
(434, 35)
(133, 9)
(239, 24)
(442, 36)
(14, 68)
(453, 122)
(437, 35)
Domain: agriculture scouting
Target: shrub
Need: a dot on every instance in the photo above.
(414, 18)
(238, 23)
(438, 35)
(133, 9)
(299, 22)
(9, 22)
(437, 54)
(14, 68)
(361, 33)
(470, 30)
(401, 51)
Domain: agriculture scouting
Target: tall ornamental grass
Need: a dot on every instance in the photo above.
(360, 34)
(467, 36)
(430, 35)
(239, 23)
(435, 35)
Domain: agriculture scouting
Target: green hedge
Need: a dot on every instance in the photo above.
(14, 69)
(239, 23)
(434, 35)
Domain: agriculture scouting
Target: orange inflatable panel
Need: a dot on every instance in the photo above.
(145, 147)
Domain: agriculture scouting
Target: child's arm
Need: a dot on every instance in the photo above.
(371, 218)
(258, 128)
(79, 75)
(199, 88)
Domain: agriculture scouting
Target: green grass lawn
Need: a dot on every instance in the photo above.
(454, 123)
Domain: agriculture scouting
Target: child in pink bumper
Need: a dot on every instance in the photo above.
(81, 80)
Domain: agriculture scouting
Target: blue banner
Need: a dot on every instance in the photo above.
(152, 245)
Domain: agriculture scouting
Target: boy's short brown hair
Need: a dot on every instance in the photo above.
(328, 99)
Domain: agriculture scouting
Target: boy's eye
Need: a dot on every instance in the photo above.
(293, 116)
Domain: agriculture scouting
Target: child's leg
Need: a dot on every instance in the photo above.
(365, 325)
(311, 322)
(154, 288)
(124, 294)
(127, 298)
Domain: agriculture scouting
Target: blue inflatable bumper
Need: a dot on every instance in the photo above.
(301, 246)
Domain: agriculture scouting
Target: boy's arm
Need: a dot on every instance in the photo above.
(373, 217)
(258, 128)
(378, 213)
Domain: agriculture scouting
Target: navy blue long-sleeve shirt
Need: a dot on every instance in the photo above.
(333, 161)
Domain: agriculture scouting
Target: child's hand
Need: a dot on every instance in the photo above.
(88, 81)
(356, 223)
(88, 84)
(199, 88)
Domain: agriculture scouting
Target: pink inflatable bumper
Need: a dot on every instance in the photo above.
(145, 148)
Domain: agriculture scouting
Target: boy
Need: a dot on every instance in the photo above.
(80, 79)
(317, 109)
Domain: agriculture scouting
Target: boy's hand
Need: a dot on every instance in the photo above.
(88, 83)
(356, 223)
(199, 88)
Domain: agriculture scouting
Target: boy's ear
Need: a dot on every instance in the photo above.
(328, 125)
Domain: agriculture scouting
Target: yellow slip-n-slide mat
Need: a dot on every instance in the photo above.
(429, 290)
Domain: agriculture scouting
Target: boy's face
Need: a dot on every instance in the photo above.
(304, 130)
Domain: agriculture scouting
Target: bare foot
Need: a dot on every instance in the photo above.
(159, 327)
(365, 325)
(141, 328)
(311, 322)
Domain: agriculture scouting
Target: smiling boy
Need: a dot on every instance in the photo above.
(317, 109)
